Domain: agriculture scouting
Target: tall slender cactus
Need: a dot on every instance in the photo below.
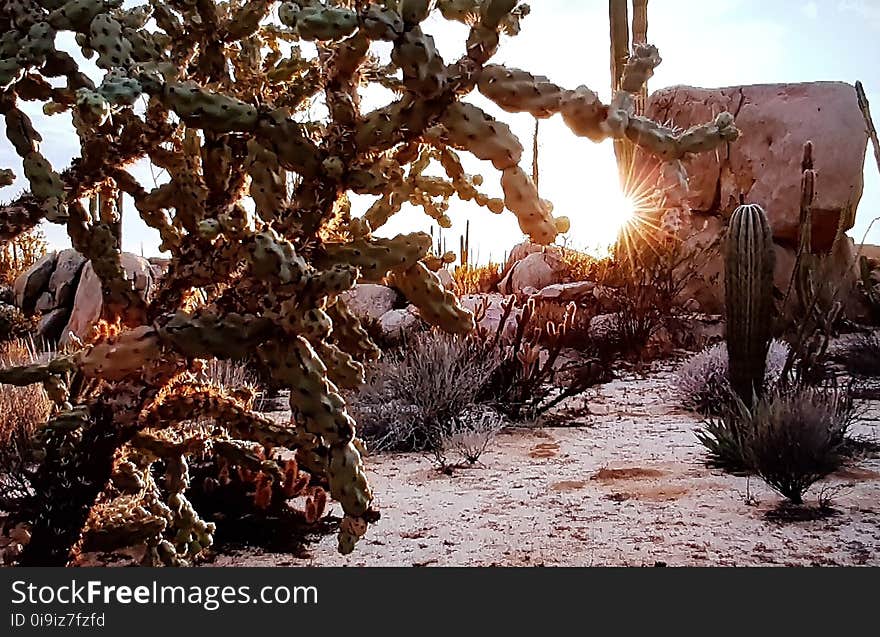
(640, 36)
(621, 35)
(749, 299)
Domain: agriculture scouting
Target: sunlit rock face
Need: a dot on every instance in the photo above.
(764, 165)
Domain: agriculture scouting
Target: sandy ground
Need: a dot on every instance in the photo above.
(624, 486)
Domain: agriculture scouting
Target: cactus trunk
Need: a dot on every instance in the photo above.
(749, 299)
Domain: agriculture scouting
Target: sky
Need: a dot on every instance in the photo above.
(707, 44)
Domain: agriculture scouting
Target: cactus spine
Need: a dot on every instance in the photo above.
(749, 298)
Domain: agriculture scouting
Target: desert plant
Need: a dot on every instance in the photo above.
(748, 280)
(792, 436)
(14, 324)
(648, 273)
(414, 397)
(20, 253)
(702, 382)
(525, 383)
(861, 355)
(796, 436)
(578, 266)
(236, 108)
(473, 433)
(476, 279)
(812, 312)
(22, 411)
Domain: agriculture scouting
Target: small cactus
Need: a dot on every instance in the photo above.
(749, 298)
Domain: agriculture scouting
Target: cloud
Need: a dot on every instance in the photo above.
(811, 10)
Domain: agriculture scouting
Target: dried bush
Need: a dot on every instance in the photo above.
(796, 437)
(14, 324)
(528, 381)
(20, 253)
(22, 411)
(473, 432)
(578, 266)
(861, 356)
(476, 279)
(702, 383)
(792, 437)
(414, 396)
(648, 275)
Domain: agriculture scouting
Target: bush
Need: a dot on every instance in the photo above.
(473, 433)
(702, 383)
(791, 438)
(20, 253)
(530, 379)
(414, 397)
(14, 324)
(861, 356)
(22, 411)
(474, 279)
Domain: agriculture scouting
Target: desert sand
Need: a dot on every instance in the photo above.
(625, 485)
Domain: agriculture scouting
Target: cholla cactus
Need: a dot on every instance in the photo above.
(227, 87)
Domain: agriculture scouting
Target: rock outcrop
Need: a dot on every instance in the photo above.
(88, 302)
(64, 294)
(764, 165)
(30, 285)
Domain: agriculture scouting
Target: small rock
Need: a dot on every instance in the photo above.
(369, 300)
(396, 324)
(568, 292)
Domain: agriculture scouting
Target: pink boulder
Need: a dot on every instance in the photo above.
(764, 165)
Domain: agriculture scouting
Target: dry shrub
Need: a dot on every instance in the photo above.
(230, 375)
(22, 410)
(14, 324)
(549, 314)
(476, 279)
(861, 356)
(473, 433)
(530, 378)
(797, 437)
(414, 396)
(578, 266)
(647, 278)
(18, 254)
(702, 383)
(793, 437)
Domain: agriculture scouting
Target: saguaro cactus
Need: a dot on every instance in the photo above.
(749, 298)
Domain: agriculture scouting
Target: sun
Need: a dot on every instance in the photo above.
(621, 209)
(610, 212)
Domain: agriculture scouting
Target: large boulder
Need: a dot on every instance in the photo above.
(703, 271)
(65, 278)
(368, 300)
(705, 285)
(30, 285)
(537, 270)
(88, 302)
(764, 165)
